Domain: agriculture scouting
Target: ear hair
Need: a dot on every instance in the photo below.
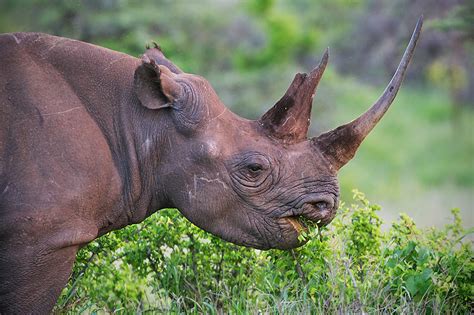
(155, 85)
(156, 53)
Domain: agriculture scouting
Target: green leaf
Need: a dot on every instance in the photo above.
(411, 285)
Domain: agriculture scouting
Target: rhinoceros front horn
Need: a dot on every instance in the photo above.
(288, 120)
(340, 145)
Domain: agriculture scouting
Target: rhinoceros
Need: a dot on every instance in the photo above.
(92, 140)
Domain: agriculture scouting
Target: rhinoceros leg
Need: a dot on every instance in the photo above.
(31, 279)
(36, 259)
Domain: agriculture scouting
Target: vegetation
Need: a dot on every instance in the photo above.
(166, 264)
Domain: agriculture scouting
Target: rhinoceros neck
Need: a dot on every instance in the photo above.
(103, 81)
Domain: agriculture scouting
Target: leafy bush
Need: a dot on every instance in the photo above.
(166, 264)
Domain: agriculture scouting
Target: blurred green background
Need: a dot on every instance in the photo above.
(419, 160)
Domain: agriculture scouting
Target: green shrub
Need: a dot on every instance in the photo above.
(166, 264)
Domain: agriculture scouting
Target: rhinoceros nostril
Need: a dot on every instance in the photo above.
(320, 212)
(319, 205)
(322, 205)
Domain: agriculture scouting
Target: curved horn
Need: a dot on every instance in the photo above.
(289, 118)
(340, 145)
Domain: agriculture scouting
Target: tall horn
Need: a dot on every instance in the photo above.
(289, 118)
(340, 145)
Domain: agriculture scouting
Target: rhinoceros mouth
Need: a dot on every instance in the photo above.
(309, 215)
(296, 223)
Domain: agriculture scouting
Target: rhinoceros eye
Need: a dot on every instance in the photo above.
(254, 168)
(251, 173)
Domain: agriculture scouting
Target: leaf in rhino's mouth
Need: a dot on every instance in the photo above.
(296, 223)
(309, 223)
(301, 223)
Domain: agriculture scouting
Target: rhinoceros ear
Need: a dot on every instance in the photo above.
(155, 85)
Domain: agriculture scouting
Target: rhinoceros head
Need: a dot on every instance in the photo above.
(250, 181)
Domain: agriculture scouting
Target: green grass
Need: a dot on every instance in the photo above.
(166, 265)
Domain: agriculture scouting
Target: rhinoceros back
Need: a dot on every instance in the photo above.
(55, 109)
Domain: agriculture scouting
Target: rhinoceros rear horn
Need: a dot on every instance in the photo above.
(340, 145)
(288, 120)
(155, 85)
